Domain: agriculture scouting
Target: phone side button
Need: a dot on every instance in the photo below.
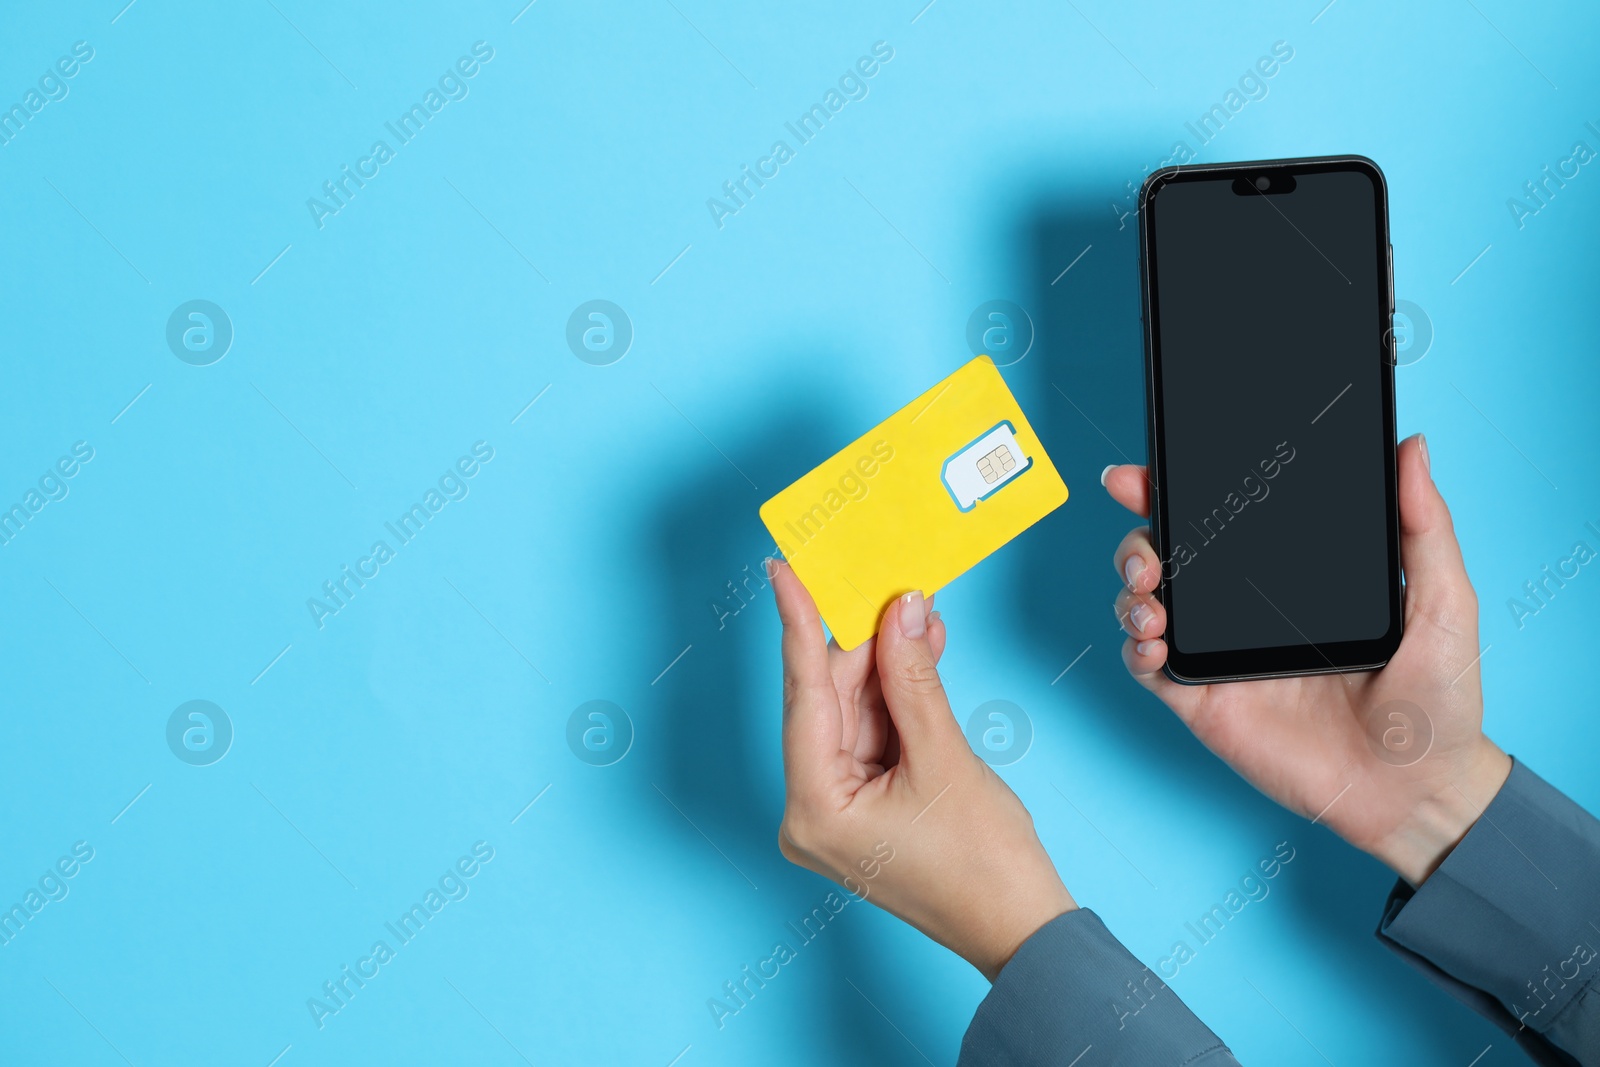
(1394, 342)
(1391, 279)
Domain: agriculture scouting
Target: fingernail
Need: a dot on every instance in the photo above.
(931, 616)
(1144, 648)
(1133, 569)
(1427, 462)
(1103, 474)
(772, 568)
(913, 617)
(1141, 617)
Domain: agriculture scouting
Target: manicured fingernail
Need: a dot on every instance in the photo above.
(913, 616)
(1105, 473)
(1134, 568)
(1144, 648)
(1141, 616)
(1427, 462)
(772, 568)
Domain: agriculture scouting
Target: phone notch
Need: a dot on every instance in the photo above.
(1264, 183)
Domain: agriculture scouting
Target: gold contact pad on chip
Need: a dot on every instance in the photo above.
(996, 464)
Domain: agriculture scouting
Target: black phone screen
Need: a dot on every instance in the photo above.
(1268, 311)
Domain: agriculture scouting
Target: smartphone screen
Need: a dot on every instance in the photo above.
(1268, 310)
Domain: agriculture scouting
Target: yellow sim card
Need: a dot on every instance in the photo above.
(913, 504)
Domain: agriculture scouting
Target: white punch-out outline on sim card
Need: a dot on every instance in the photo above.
(944, 472)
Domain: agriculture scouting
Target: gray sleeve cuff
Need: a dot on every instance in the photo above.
(1072, 987)
(1510, 922)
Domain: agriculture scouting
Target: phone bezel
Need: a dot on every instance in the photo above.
(1284, 660)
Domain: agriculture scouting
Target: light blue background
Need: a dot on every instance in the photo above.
(376, 350)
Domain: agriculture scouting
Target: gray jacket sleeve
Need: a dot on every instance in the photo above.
(1510, 922)
(1072, 987)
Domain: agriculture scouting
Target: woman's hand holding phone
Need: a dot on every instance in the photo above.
(1340, 748)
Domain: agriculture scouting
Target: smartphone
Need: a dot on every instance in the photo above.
(1268, 296)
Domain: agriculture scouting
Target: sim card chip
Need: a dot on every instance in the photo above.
(996, 464)
(984, 467)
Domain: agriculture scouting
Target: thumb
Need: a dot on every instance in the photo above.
(1436, 576)
(910, 678)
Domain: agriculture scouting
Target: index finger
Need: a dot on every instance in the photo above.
(812, 725)
(1129, 485)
